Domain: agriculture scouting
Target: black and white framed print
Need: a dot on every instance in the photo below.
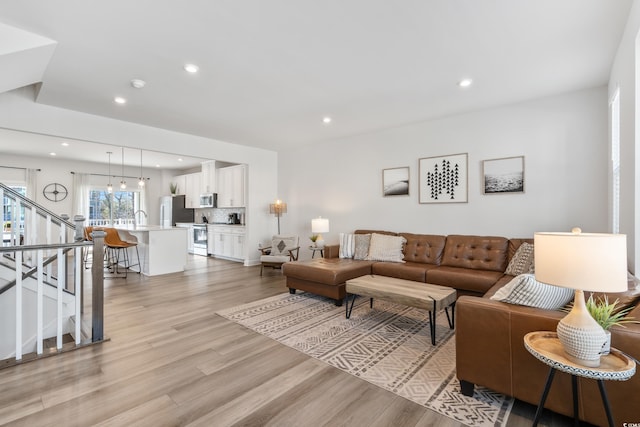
(443, 179)
(395, 182)
(501, 176)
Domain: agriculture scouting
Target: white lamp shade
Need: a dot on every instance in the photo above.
(586, 261)
(319, 225)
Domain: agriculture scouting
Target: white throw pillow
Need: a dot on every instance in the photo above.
(347, 245)
(386, 248)
(526, 290)
(282, 245)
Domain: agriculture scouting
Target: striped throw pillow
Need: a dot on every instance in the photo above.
(347, 245)
(526, 290)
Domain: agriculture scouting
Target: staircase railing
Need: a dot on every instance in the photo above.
(37, 260)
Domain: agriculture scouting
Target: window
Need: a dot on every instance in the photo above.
(7, 206)
(116, 208)
(614, 108)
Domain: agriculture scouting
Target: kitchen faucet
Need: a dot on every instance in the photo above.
(135, 225)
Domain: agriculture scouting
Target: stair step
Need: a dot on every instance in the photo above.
(52, 342)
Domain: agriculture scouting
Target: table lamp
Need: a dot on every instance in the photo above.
(278, 208)
(585, 262)
(318, 226)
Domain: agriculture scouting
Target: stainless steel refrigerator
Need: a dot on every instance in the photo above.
(172, 210)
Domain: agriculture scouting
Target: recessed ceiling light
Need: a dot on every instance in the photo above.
(326, 120)
(157, 166)
(119, 100)
(65, 144)
(52, 154)
(191, 68)
(179, 159)
(465, 82)
(138, 84)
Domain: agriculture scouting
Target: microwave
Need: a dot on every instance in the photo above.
(209, 200)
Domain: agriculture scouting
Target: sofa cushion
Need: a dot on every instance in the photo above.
(361, 246)
(408, 271)
(476, 252)
(424, 248)
(386, 248)
(522, 261)
(347, 245)
(526, 290)
(474, 281)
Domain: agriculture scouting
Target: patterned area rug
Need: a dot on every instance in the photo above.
(389, 346)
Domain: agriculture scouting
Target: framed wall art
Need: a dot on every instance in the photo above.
(443, 179)
(503, 176)
(395, 182)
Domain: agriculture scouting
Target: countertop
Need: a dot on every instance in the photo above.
(146, 228)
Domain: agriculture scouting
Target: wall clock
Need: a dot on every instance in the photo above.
(55, 192)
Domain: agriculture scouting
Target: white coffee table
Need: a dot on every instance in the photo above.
(432, 298)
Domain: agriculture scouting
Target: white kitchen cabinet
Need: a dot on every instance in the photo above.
(189, 185)
(192, 193)
(228, 241)
(211, 239)
(208, 177)
(231, 186)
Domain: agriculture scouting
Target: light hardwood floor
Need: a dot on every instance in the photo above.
(171, 361)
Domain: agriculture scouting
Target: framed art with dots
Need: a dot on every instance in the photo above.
(443, 179)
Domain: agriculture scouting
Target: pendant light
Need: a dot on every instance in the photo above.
(123, 183)
(141, 181)
(109, 186)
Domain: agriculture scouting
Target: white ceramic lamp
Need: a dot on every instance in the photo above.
(584, 262)
(318, 226)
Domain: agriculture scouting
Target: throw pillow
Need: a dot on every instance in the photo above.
(282, 245)
(386, 248)
(522, 261)
(347, 245)
(362, 246)
(526, 290)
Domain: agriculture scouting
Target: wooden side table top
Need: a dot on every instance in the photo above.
(406, 292)
(546, 347)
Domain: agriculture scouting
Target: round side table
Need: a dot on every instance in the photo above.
(316, 249)
(546, 347)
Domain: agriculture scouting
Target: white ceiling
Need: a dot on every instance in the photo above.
(270, 70)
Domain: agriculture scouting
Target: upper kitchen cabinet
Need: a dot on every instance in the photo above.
(208, 177)
(189, 185)
(231, 186)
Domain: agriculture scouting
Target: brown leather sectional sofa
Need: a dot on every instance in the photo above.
(489, 334)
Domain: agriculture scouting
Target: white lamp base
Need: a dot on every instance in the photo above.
(581, 336)
(319, 242)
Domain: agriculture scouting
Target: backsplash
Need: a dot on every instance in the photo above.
(219, 215)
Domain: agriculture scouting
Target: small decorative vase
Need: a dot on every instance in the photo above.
(606, 347)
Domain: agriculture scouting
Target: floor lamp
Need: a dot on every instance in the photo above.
(278, 208)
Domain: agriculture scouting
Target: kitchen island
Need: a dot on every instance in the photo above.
(162, 250)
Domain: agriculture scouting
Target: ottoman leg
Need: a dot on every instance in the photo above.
(292, 291)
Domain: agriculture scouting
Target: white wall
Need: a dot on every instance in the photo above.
(19, 112)
(623, 76)
(59, 171)
(563, 139)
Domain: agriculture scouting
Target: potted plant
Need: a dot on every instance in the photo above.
(607, 315)
(173, 188)
(313, 238)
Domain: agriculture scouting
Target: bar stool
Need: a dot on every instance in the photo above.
(116, 246)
